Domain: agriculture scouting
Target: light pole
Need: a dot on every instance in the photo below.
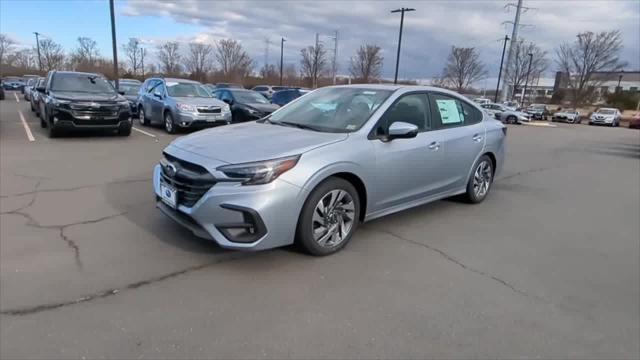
(526, 82)
(401, 11)
(618, 89)
(38, 47)
(282, 40)
(115, 47)
(504, 47)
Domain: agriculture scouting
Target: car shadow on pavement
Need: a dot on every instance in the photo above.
(136, 201)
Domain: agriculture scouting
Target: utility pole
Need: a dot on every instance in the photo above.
(38, 47)
(514, 39)
(504, 46)
(401, 11)
(282, 40)
(267, 45)
(526, 82)
(115, 47)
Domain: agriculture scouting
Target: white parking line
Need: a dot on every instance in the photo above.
(144, 132)
(26, 126)
(16, 95)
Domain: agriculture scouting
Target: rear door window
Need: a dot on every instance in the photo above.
(448, 111)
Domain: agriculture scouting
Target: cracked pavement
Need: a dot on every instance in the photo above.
(548, 266)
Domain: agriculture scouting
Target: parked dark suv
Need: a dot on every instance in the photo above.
(77, 100)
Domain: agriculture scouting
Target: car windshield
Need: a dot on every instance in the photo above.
(86, 83)
(176, 89)
(537, 106)
(248, 97)
(129, 88)
(607, 112)
(332, 109)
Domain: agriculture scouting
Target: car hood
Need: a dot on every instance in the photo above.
(83, 96)
(265, 108)
(200, 101)
(131, 97)
(564, 114)
(254, 141)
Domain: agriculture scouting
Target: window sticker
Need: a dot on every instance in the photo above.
(449, 111)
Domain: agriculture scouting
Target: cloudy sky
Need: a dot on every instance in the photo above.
(429, 32)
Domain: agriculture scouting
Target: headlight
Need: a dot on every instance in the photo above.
(60, 103)
(260, 172)
(186, 107)
(252, 111)
(124, 104)
(226, 108)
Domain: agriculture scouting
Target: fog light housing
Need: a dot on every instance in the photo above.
(251, 229)
(55, 120)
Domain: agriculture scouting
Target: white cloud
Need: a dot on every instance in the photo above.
(429, 32)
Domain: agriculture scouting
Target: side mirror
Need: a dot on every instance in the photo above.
(158, 95)
(228, 101)
(40, 89)
(121, 92)
(402, 130)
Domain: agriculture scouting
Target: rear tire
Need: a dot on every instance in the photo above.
(329, 217)
(480, 180)
(511, 119)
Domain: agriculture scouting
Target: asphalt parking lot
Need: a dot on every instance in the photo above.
(548, 266)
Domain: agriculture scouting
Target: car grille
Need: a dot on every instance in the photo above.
(209, 110)
(88, 111)
(191, 181)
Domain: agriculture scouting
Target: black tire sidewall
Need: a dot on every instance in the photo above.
(471, 195)
(304, 236)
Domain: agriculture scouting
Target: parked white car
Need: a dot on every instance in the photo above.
(606, 116)
(567, 115)
(505, 114)
(481, 101)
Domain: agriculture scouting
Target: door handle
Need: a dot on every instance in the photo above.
(434, 146)
(477, 138)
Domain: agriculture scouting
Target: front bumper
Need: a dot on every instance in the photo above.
(607, 121)
(66, 119)
(537, 116)
(197, 120)
(240, 217)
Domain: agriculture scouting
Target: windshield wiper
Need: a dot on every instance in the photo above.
(296, 125)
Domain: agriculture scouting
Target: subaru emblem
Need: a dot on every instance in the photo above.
(171, 170)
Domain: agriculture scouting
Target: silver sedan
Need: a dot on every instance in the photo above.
(315, 169)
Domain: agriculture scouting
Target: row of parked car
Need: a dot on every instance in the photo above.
(75, 100)
(512, 113)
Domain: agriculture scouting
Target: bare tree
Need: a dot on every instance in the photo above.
(23, 59)
(367, 64)
(133, 51)
(233, 60)
(588, 54)
(85, 55)
(52, 55)
(6, 46)
(290, 74)
(169, 56)
(463, 68)
(517, 74)
(199, 60)
(313, 63)
(269, 72)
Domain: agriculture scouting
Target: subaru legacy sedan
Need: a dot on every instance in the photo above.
(312, 171)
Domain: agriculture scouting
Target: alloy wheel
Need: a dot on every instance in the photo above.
(482, 179)
(141, 115)
(168, 123)
(333, 218)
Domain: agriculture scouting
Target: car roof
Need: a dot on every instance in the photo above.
(186, 81)
(78, 73)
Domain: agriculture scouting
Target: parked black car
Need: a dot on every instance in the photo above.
(34, 99)
(283, 97)
(77, 100)
(246, 105)
(130, 89)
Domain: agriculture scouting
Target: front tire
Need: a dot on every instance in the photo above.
(480, 180)
(53, 132)
(511, 120)
(169, 125)
(329, 217)
(142, 117)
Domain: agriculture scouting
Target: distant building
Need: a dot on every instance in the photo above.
(609, 82)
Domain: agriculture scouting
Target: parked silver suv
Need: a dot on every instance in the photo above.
(313, 170)
(180, 103)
